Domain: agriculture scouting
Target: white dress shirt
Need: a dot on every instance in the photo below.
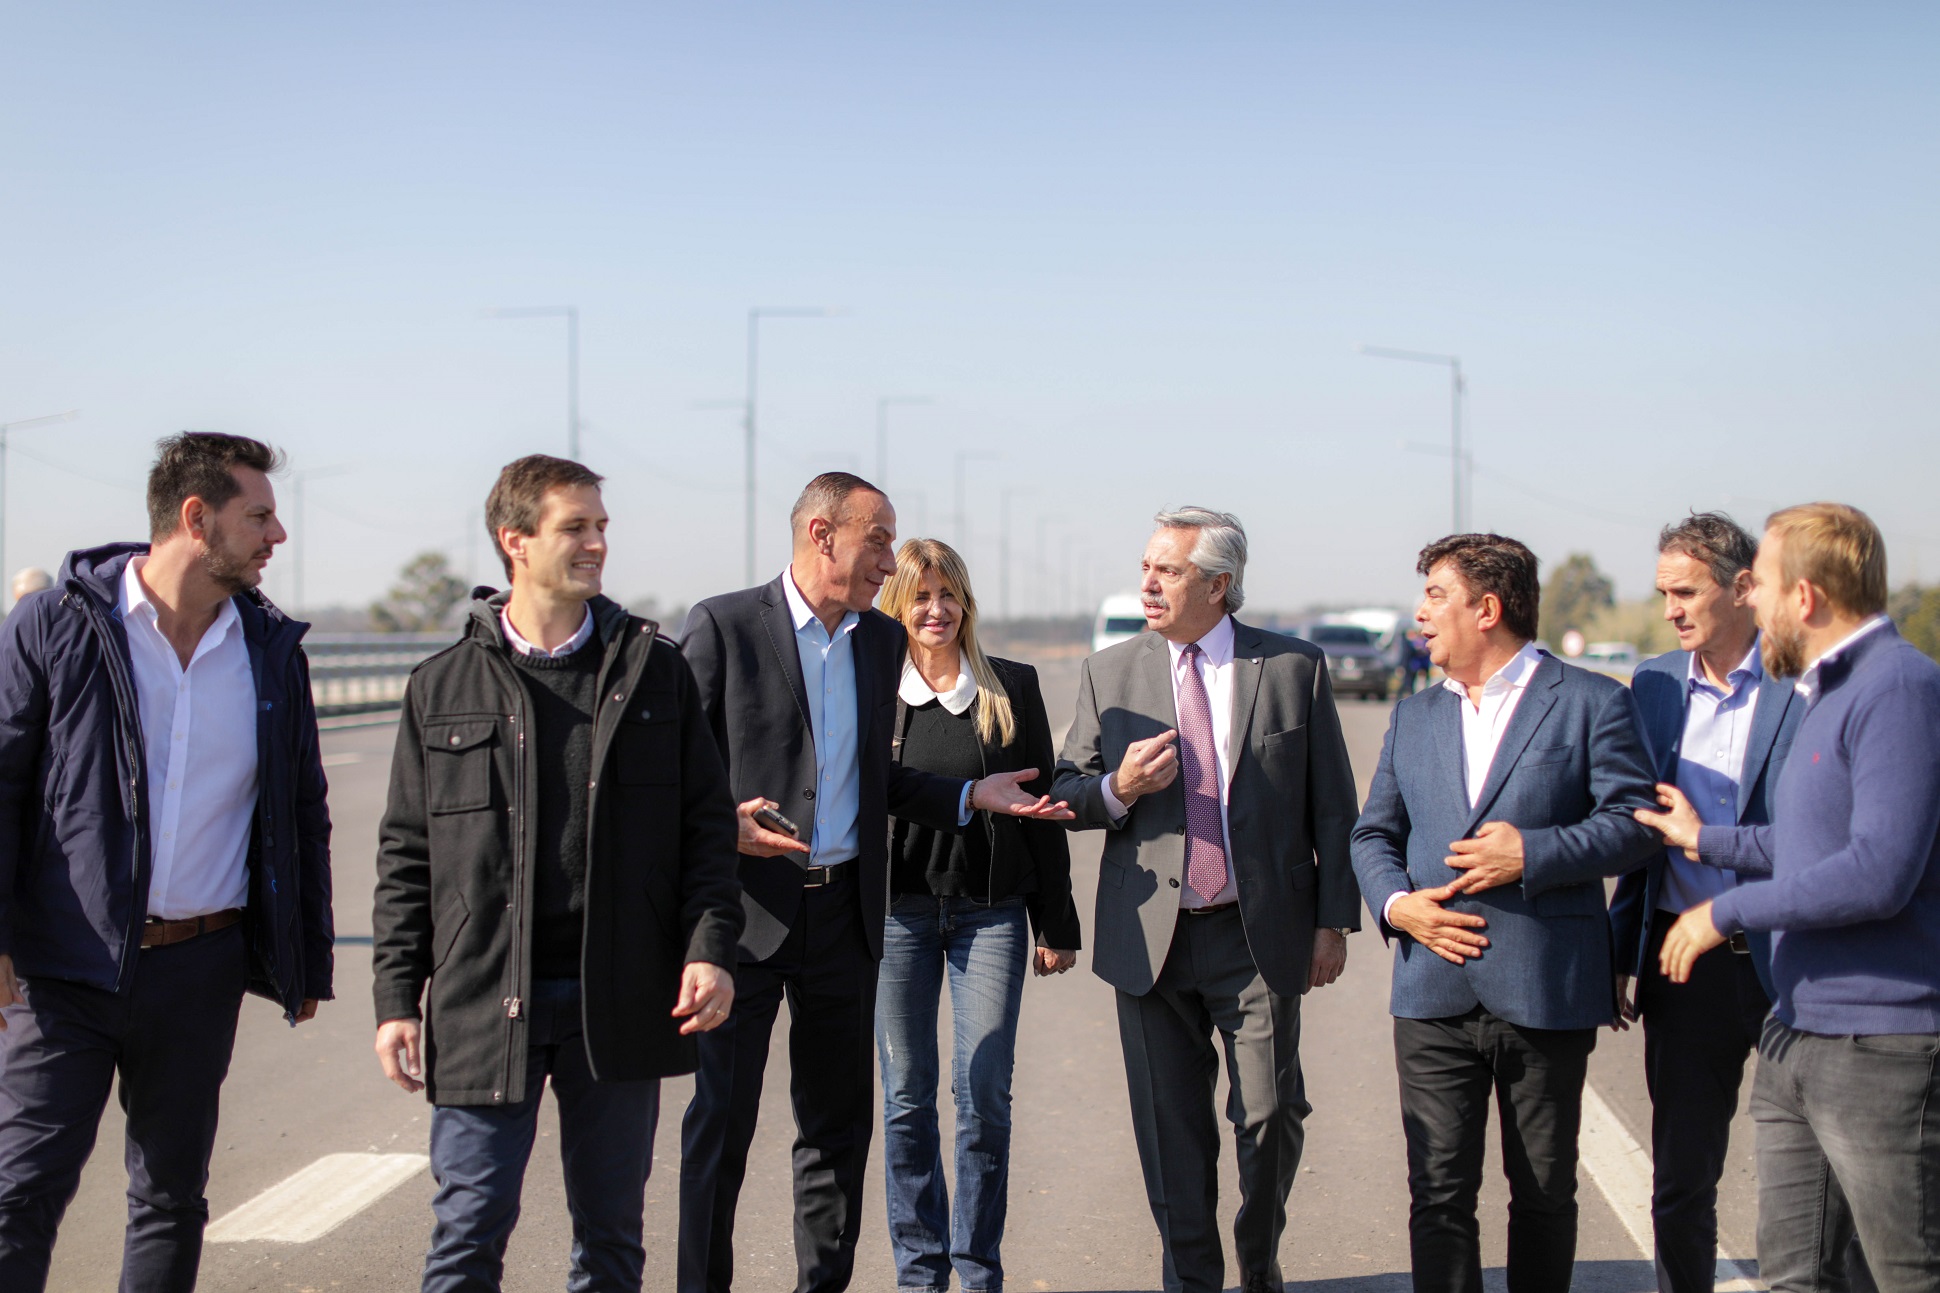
(560, 652)
(1808, 682)
(199, 745)
(1710, 766)
(1216, 672)
(1484, 722)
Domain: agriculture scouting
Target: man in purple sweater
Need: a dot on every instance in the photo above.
(1847, 1098)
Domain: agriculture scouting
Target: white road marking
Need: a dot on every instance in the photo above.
(317, 1199)
(1621, 1169)
(338, 760)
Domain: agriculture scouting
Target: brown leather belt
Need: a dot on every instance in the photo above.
(160, 933)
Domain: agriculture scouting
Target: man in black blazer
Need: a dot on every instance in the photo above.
(798, 679)
(1719, 727)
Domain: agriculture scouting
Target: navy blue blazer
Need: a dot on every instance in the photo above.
(1570, 772)
(1663, 695)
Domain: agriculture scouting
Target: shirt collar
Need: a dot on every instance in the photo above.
(1750, 670)
(915, 691)
(1809, 680)
(134, 598)
(801, 612)
(1216, 645)
(564, 649)
(1512, 676)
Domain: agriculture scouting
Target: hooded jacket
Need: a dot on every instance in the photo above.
(456, 860)
(74, 803)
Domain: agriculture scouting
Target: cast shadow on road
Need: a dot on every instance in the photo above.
(1591, 1277)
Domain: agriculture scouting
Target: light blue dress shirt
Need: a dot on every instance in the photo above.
(1710, 764)
(828, 676)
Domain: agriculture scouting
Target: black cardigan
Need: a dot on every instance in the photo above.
(1019, 845)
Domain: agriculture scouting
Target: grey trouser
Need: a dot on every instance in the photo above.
(1848, 1139)
(1209, 982)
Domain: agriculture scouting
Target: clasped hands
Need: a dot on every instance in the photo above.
(1488, 860)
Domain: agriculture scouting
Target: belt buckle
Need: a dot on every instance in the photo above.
(1740, 944)
(815, 877)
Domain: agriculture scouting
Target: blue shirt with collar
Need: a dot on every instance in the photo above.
(1710, 763)
(828, 676)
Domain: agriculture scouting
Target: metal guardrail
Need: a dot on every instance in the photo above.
(365, 673)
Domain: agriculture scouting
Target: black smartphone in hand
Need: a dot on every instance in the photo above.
(771, 819)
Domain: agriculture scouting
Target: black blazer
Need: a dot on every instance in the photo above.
(1018, 845)
(741, 647)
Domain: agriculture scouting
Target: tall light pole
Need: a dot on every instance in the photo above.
(297, 531)
(1458, 461)
(570, 313)
(965, 456)
(1003, 550)
(6, 427)
(755, 316)
(882, 432)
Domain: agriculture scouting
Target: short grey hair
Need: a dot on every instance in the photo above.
(825, 497)
(1219, 549)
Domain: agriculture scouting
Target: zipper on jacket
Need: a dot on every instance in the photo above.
(514, 1006)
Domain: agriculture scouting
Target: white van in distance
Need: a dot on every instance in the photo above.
(1120, 616)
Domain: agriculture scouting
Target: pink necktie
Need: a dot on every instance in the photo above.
(1199, 774)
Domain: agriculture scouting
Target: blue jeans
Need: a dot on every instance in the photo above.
(479, 1153)
(984, 950)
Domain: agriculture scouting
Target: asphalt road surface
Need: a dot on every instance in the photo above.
(1078, 1217)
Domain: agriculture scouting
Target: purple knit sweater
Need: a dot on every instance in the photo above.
(1853, 850)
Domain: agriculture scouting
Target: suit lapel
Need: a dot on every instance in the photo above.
(1155, 680)
(1775, 695)
(781, 636)
(1538, 697)
(1446, 721)
(861, 651)
(1246, 690)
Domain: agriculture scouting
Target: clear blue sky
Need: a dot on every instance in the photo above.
(1686, 252)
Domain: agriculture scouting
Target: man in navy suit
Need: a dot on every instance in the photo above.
(1718, 727)
(1502, 800)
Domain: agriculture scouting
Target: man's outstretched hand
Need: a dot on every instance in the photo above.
(1003, 792)
(1679, 823)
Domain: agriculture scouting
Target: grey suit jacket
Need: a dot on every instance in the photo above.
(1290, 807)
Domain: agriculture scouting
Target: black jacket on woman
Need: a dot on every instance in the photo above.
(453, 925)
(1019, 847)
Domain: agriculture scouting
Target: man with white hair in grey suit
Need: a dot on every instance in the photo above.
(1210, 752)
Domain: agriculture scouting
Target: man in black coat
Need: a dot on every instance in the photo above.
(557, 867)
(798, 679)
(164, 847)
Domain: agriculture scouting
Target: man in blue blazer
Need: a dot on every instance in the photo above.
(1719, 727)
(1502, 799)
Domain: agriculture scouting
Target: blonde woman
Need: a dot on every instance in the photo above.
(959, 905)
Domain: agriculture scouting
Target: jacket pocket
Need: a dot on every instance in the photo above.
(458, 765)
(1535, 756)
(445, 928)
(649, 743)
(1295, 733)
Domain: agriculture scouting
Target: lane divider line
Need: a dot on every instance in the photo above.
(318, 1199)
(1622, 1171)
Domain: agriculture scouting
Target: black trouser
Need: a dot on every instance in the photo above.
(1696, 1038)
(169, 1038)
(1449, 1068)
(825, 970)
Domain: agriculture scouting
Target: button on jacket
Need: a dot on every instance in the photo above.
(453, 921)
(79, 809)
(196, 727)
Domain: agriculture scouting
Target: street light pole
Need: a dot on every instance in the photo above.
(1458, 461)
(570, 313)
(755, 316)
(298, 532)
(882, 433)
(6, 427)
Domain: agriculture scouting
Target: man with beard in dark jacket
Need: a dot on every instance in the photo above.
(556, 895)
(164, 846)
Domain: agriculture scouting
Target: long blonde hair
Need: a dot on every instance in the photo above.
(917, 556)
